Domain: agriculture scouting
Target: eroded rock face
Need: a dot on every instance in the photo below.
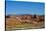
(26, 17)
(36, 21)
(29, 18)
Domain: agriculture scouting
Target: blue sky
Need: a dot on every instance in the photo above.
(18, 7)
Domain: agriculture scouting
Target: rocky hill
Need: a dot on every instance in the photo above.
(14, 21)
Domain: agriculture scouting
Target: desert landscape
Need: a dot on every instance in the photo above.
(25, 21)
(22, 15)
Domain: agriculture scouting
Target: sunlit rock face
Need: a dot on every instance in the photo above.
(33, 20)
(27, 17)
